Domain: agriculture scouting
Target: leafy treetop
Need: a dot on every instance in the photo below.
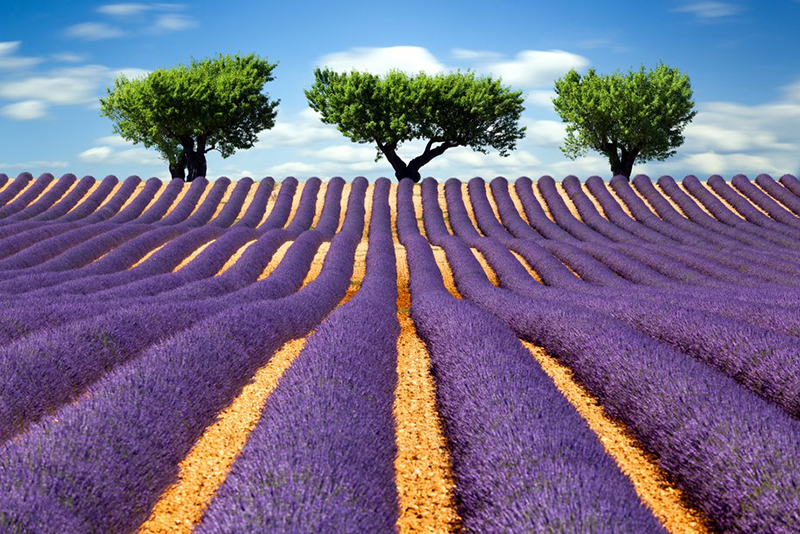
(632, 117)
(187, 111)
(446, 110)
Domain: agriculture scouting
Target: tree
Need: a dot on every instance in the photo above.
(446, 110)
(630, 118)
(187, 111)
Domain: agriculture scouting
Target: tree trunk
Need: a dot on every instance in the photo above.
(623, 166)
(177, 169)
(406, 172)
(196, 164)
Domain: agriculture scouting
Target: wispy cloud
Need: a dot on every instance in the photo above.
(110, 155)
(67, 57)
(26, 110)
(123, 10)
(80, 85)
(174, 22)
(152, 18)
(410, 59)
(463, 53)
(93, 31)
(535, 68)
(38, 164)
(303, 129)
(8, 59)
(710, 10)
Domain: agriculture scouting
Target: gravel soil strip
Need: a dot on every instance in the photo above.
(424, 477)
(666, 501)
(192, 256)
(528, 268)
(540, 200)
(178, 198)
(323, 188)
(235, 257)
(512, 192)
(343, 210)
(277, 258)
(205, 467)
(468, 205)
(568, 201)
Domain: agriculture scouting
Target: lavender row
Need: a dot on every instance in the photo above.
(670, 223)
(158, 208)
(515, 473)
(457, 211)
(137, 205)
(282, 207)
(592, 218)
(755, 195)
(17, 185)
(536, 215)
(22, 320)
(27, 196)
(233, 206)
(791, 183)
(146, 415)
(340, 478)
(509, 215)
(46, 200)
(484, 215)
(780, 192)
(187, 204)
(718, 441)
(258, 205)
(562, 215)
(721, 212)
(643, 219)
(763, 361)
(746, 209)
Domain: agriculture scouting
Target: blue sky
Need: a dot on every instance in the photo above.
(56, 58)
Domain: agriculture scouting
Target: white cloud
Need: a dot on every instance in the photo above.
(26, 110)
(9, 61)
(93, 31)
(710, 10)
(342, 153)
(130, 73)
(174, 22)
(40, 164)
(543, 98)
(304, 129)
(113, 140)
(712, 163)
(133, 156)
(123, 10)
(729, 127)
(411, 59)
(463, 53)
(68, 57)
(536, 68)
(544, 133)
(792, 92)
(76, 85)
(582, 167)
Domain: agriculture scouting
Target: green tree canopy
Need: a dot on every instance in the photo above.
(446, 110)
(630, 118)
(187, 111)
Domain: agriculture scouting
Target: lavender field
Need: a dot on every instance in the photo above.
(346, 356)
